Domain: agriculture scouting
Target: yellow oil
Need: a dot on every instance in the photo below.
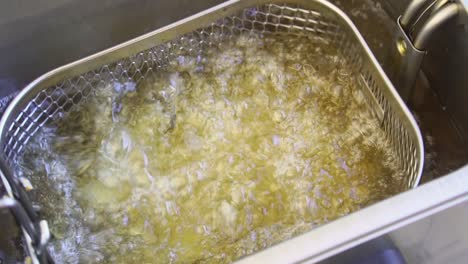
(215, 157)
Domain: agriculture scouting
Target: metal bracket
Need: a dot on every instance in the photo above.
(415, 29)
(407, 60)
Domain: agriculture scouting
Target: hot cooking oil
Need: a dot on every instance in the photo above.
(217, 156)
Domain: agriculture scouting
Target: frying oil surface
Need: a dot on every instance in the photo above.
(213, 158)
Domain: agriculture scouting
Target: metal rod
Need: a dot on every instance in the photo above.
(430, 9)
(443, 15)
(21, 216)
(18, 191)
(412, 13)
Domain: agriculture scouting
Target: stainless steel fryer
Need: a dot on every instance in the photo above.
(50, 97)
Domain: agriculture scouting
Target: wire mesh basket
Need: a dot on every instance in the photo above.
(65, 89)
(50, 97)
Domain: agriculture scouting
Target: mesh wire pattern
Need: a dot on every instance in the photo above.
(53, 103)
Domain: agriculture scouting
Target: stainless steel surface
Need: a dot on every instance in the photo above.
(38, 36)
(439, 238)
(51, 96)
(371, 222)
(445, 69)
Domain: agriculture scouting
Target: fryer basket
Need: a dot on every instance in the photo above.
(65, 89)
(53, 95)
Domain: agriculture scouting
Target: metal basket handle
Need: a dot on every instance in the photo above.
(36, 232)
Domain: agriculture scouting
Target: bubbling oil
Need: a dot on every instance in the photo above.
(213, 158)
